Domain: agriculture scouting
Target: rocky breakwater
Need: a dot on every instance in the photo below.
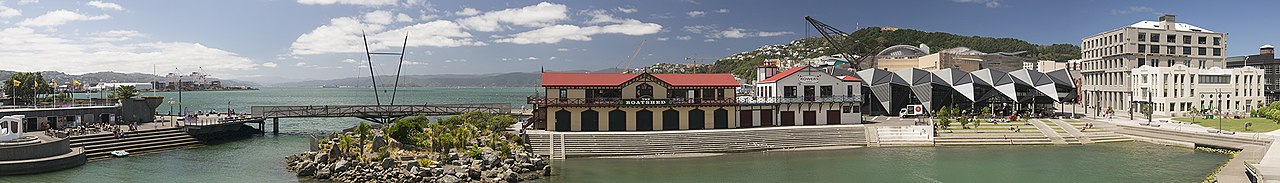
(466, 148)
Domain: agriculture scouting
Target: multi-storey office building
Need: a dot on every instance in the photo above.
(1265, 60)
(1177, 90)
(802, 96)
(1108, 58)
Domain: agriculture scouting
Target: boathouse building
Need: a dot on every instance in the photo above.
(635, 102)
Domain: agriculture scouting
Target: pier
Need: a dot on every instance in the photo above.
(372, 113)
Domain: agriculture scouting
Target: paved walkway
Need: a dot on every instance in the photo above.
(1048, 132)
(1073, 131)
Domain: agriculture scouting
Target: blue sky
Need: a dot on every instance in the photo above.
(288, 40)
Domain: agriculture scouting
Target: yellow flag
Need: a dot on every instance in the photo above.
(17, 83)
(75, 83)
(37, 84)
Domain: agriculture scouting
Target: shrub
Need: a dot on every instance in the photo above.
(475, 152)
(402, 130)
(424, 162)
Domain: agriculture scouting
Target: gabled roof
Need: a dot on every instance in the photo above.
(782, 74)
(616, 79)
(850, 79)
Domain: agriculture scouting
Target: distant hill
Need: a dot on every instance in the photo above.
(95, 77)
(871, 40)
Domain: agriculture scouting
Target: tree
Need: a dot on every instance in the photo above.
(944, 117)
(124, 92)
(403, 129)
(1246, 125)
(1195, 113)
(964, 121)
(986, 111)
(26, 85)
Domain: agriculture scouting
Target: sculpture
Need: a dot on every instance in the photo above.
(11, 127)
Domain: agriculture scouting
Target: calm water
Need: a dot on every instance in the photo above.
(260, 159)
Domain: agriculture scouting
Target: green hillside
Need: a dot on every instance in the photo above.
(871, 40)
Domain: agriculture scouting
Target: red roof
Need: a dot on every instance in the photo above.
(850, 78)
(782, 74)
(616, 79)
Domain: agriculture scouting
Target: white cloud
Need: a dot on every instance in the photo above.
(709, 40)
(467, 12)
(379, 17)
(114, 35)
(59, 17)
(403, 18)
(684, 37)
(23, 49)
(562, 49)
(1135, 9)
(350, 2)
(731, 32)
(601, 16)
(552, 58)
(663, 38)
(300, 64)
(28, 1)
(343, 35)
(105, 5)
(722, 10)
(694, 14)
(699, 29)
(771, 34)
(988, 3)
(352, 61)
(532, 58)
(6, 12)
(269, 64)
(414, 63)
(554, 34)
(627, 10)
(539, 15)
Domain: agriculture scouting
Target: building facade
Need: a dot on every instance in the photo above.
(635, 102)
(1178, 90)
(1108, 58)
(1265, 60)
(802, 96)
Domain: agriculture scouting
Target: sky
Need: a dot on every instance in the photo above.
(271, 41)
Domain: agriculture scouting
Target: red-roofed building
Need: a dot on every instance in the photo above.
(804, 96)
(635, 102)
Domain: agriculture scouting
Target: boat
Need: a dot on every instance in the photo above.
(120, 153)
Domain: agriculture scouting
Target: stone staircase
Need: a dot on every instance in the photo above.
(1100, 133)
(992, 139)
(896, 136)
(579, 144)
(99, 146)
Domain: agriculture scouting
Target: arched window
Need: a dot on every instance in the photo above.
(644, 91)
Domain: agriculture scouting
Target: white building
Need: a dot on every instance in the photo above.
(1108, 58)
(805, 95)
(1176, 90)
(111, 86)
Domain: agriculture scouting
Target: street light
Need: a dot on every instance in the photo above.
(171, 107)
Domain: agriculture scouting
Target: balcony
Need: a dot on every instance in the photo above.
(588, 102)
(805, 99)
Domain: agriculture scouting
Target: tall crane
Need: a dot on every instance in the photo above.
(633, 56)
(833, 36)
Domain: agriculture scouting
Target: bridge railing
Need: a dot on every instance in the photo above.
(375, 110)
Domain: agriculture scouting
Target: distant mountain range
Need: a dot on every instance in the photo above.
(90, 78)
(511, 79)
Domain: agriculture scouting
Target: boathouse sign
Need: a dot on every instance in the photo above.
(646, 101)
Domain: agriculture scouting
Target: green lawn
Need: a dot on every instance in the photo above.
(1259, 124)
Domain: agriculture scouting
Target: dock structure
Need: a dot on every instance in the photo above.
(372, 113)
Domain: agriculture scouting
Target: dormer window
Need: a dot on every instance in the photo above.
(644, 91)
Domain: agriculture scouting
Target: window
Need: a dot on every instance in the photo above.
(1201, 50)
(564, 94)
(1215, 79)
(848, 91)
(1217, 51)
(1155, 48)
(1172, 50)
(1142, 48)
(1202, 40)
(708, 94)
(1171, 38)
(1142, 61)
(789, 91)
(824, 91)
(1186, 50)
(1186, 39)
(1142, 36)
(1155, 37)
(1217, 41)
(685, 93)
(644, 91)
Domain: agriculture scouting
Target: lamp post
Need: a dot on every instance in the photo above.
(171, 107)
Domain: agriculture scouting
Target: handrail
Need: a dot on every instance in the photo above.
(1248, 166)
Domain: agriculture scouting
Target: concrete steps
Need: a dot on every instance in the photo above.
(1008, 139)
(693, 141)
(897, 136)
(99, 146)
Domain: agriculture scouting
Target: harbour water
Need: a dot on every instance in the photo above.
(261, 158)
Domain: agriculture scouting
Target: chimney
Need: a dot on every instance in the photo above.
(1267, 50)
(1168, 22)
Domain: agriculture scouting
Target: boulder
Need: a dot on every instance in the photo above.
(307, 169)
(378, 142)
(322, 173)
(448, 178)
(321, 158)
(340, 166)
(388, 163)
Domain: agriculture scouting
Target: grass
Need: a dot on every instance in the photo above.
(1259, 124)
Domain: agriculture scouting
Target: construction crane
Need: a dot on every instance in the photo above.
(695, 59)
(633, 56)
(833, 36)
